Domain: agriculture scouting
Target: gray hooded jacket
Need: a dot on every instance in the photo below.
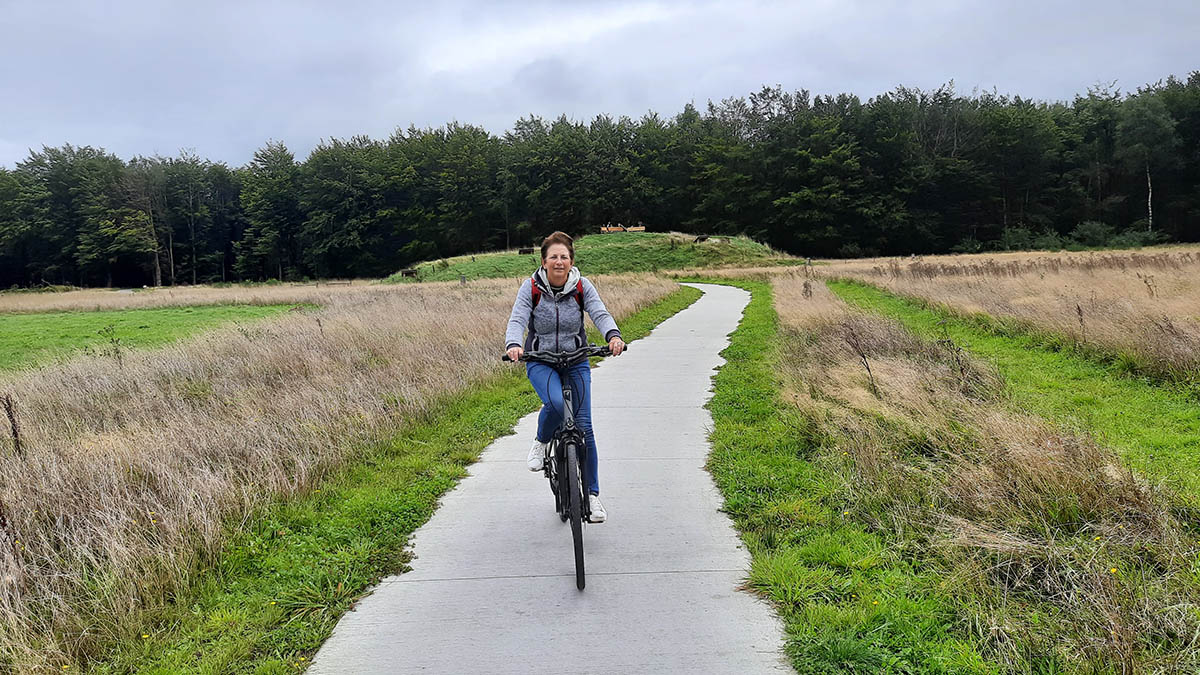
(557, 321)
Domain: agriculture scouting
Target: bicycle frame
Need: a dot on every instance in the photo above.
(566, 432)
(568, 480)
(567, 429)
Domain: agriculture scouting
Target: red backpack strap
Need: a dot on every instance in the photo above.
(579, 293)
(535, 291)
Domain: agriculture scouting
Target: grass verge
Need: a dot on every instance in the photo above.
(1155, 427)
(30, 339)
(289, 573)
(848, 601)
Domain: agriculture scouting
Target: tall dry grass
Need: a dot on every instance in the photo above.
(96, 299)
(133, 468)
(1054, 548)
(1143, 306)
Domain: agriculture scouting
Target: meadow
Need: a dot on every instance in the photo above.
(944, 464)
(29, 339)
(906, 513)
(105, 299)
(129, 471)
(1139, 308)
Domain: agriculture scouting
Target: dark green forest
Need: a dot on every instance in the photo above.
(908, 171)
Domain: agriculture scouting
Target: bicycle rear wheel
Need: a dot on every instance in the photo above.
(575, 489)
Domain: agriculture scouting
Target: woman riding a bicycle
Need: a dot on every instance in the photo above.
(550, 308)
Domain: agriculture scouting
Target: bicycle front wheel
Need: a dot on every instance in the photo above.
(562, 503)
(575, 489)
(558, 482)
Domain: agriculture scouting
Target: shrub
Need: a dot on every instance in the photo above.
(1136, 237)
(1092, 233)
(1049, 241)
(850, 250)
(968, 245)
(1016, 239)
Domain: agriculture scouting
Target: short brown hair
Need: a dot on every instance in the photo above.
(559, 238)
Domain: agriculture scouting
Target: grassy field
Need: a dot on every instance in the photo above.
(1138, 308)
(30, 339)
(610, 254)
(962, 480)
(1156, 428)
(105, 299)
(132, 466)
(281, 584)
(848, 601)
(904, 518)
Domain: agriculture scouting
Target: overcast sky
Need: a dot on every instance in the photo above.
(222, 78)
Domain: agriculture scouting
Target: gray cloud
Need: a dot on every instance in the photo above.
(141, 77)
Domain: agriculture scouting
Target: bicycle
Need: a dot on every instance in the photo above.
(564, 465)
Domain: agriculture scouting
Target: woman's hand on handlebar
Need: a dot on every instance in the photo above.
(514, 353)
(617, 345)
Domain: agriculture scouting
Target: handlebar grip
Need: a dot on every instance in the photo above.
(505, 358)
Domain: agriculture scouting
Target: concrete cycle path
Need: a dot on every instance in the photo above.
(492, 586)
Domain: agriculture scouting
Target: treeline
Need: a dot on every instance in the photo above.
(907, 172)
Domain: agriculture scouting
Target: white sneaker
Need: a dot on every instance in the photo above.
(598, 514)
(537, 455)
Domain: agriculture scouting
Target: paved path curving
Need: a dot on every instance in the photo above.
(492, 587)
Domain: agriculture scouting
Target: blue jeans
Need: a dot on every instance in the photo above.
(548, 385)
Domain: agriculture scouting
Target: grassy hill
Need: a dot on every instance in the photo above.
(611, 253)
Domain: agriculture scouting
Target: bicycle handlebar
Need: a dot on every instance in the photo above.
(566, 358)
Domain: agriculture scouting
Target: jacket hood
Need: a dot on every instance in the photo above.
(572, 278)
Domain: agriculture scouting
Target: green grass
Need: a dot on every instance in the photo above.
(286, 576)
(1156, 427)
(609, 254)
(849, 602)
(34, 339)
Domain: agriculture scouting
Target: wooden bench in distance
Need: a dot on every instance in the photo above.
(525, 251)
(408, 273)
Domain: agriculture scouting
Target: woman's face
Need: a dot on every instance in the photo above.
(557, 263)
